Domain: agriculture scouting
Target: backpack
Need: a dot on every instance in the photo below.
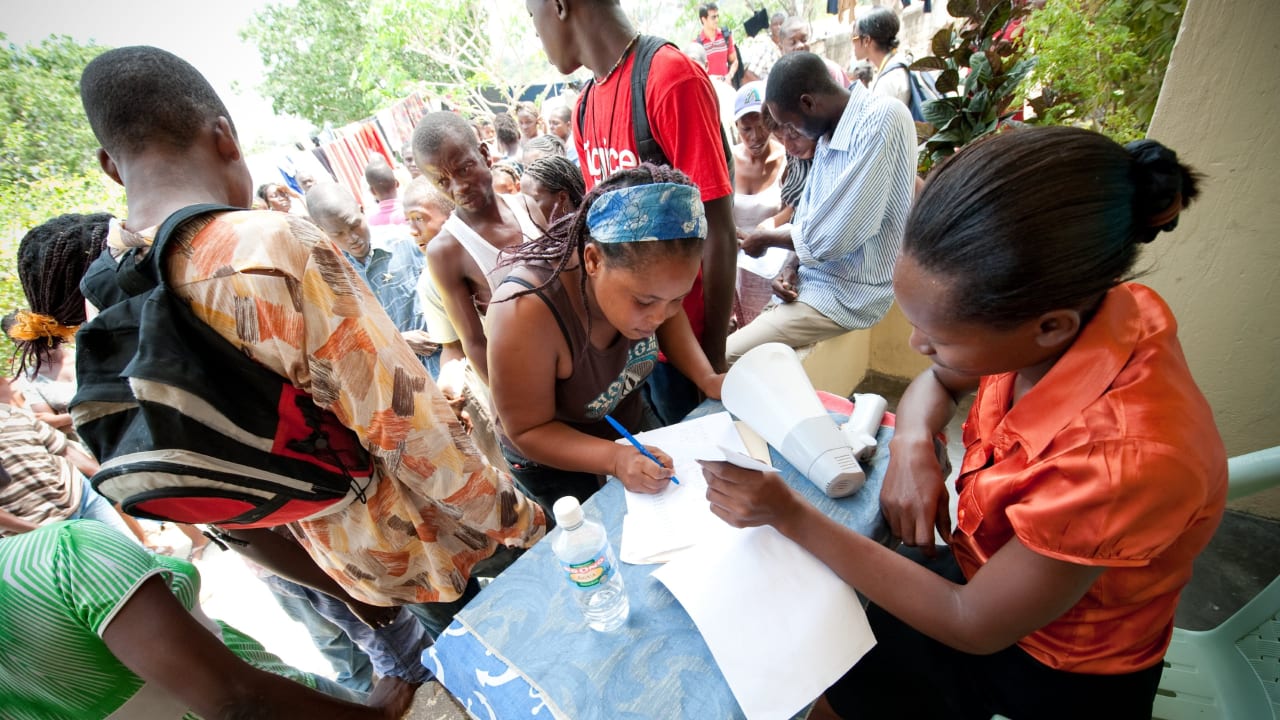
(923, 89)
(647, 148)
(186, 427)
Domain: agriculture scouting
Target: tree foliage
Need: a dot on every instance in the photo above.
(47, 161)
(43, 130)
(337, 61)
(1101, 62)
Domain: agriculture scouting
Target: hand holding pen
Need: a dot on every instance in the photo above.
(646, 470)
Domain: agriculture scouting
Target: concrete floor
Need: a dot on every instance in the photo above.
(230, 592)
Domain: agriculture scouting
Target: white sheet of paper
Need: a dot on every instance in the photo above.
(657, 527)
(781, 626)
(767, 265)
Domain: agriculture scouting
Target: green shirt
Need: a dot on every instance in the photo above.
(60, 586)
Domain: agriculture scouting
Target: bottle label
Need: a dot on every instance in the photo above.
(589, 574)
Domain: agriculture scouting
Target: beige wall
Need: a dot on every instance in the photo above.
(890, 353)
(1220, 271)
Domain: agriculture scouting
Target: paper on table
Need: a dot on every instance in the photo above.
(796, 607)
(658, 526)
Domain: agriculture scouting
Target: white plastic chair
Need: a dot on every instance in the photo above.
(1233, 670)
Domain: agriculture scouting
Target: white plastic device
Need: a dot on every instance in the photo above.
(768, 389)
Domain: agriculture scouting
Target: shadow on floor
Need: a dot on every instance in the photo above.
(1237, 564)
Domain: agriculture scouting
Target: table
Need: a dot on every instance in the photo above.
(522, 649)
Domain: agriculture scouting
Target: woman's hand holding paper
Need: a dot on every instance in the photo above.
(748, 498)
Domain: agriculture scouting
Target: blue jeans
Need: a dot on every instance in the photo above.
(394, 650)
(432, 363)
(95, 507)
(438, 615)
(670, 394)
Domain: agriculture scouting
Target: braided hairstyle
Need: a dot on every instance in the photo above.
(1040, 219)
(557, 174)
(52, 258)
(567, 238)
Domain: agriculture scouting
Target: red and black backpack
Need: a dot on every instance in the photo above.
(186, 427)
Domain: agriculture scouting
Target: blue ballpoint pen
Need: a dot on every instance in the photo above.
(632, 439)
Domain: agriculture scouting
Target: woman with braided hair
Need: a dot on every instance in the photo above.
(1093, 473)
(52, 258)
(576, 327)
(555, 185)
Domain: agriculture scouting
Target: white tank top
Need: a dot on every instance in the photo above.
(481, 250)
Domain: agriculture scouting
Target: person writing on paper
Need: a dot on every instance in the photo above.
(576, 327)
(1093, 472)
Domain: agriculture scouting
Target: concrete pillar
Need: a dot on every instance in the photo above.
(1220, 271)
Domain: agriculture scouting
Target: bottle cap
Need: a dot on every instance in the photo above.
(567, 511)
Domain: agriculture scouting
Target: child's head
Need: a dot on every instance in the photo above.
(425, 210)
(52, 258)
(506, 178)
(638, 241)
(1022, 234)
(381, 178)
(145, 100)
(450, 156)
(506, 130)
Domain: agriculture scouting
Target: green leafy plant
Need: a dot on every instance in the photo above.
(43, 130)
(980, 72)
(1101, 62)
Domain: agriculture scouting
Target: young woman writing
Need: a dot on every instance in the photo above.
(1093, 473)
(576, 327)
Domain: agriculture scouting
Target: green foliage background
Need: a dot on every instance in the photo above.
(1101, 62)
(47, 151)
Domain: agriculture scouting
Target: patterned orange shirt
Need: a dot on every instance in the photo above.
(279, 290)
(1111, 460)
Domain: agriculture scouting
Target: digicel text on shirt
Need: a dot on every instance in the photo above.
(603, 162)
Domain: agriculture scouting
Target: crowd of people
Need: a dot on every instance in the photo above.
(475, 318)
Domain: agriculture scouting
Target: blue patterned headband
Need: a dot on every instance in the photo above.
(657, 211)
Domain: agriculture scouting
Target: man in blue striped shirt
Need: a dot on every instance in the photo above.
(848, 226)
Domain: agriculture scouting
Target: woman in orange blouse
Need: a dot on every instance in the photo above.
(1093, 473)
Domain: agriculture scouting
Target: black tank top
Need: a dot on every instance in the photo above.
(603, 381)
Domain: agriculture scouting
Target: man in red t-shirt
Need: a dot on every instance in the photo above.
(722, 59)
(684, 119)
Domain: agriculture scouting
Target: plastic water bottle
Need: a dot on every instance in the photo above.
(590, 567)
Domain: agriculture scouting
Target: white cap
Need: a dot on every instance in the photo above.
(568, 512)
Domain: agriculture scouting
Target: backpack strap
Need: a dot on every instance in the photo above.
(139, 269)
(647, 148)
(581, 120)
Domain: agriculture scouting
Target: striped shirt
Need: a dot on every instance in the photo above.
(848, 227)
(64, 584)
(44, 486)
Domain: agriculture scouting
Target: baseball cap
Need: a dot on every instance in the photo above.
(750, 99)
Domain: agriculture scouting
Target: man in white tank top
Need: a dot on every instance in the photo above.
(463, 258)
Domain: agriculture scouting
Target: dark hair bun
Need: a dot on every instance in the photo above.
(1162, 188)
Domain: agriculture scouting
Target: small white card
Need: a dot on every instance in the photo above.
(742, 460)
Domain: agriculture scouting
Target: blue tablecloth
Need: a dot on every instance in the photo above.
(522, 649)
